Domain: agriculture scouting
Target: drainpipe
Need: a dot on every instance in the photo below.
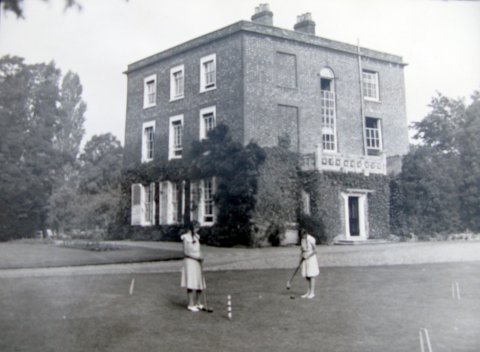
(362, 103)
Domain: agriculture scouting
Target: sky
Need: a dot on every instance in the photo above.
(440, 41)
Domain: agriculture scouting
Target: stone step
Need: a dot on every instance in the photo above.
(357, 242)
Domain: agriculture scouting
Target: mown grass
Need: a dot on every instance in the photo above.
(39, 254)
(356, 309)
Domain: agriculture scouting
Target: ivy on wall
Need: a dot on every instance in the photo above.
(326, 221)
(278, 195)
(236, 170)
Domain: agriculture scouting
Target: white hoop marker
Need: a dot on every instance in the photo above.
(132, 284)
(229, 306)
(423, 333)
(456, 290)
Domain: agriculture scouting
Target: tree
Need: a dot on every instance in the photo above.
(441, 127)
(16, 6)
(29, 116)
(427, 199)
(438, 190)
(469, 147)
(99, 182)
(42, 127)
(70, 130)
(68, 135)
(236, 168)
(101, 164)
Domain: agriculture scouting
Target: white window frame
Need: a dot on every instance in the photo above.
(145, 150)
(211, 204)
(176, 93)
(373, 136)
(198, 205)
(204, 85)
(370, 85)
(203, 124)
(168, 203)
(148, 102)
(328, 113)
(174, 151)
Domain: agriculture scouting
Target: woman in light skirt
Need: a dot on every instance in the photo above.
(309, 262)
(192, 275)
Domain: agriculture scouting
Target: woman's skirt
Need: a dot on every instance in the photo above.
(192, 277)
(310, 267)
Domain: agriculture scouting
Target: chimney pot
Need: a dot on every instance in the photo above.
(305, 24)
(263, 15)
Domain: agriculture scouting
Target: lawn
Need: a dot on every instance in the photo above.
(356, 309)
(39, 254)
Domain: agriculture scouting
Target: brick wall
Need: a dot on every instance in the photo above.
(226, 97)
(263, 95)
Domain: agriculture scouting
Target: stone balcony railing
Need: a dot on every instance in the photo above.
(364, 164)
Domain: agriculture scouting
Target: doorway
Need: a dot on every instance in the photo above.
(353, 216)
(355, 205)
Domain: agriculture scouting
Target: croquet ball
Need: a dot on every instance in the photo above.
(292, 297)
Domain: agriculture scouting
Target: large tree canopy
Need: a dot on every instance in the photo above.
(438, 190)
(33, 116)
(16, 6)
(101, 163)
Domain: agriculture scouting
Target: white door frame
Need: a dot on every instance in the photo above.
(362, 215)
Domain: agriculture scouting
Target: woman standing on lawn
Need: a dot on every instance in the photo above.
(192, 275)
(309, 262)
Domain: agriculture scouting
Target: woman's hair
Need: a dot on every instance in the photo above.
(192, 225)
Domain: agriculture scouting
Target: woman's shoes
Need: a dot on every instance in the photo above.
(308, 295)
(193, 308)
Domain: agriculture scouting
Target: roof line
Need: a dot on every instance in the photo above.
(252, 27)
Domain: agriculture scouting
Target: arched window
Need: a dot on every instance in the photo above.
(327, 101)
(327, 79)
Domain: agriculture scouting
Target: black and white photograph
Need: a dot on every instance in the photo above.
(230, 176)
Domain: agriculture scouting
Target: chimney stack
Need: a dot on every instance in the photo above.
(305, 24)
(263, 15)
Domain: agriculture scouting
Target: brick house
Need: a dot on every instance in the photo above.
(342, 107)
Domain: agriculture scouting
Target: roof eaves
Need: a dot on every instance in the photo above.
(269, 31)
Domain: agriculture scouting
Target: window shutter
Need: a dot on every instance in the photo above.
(195, 205)
(214, 191)
(152, 208)
(136, 211)
(163, 202)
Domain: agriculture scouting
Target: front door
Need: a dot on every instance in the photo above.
(353, 216)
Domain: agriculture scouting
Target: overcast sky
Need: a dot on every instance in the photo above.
(440, 41)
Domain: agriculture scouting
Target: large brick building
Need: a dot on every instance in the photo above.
(342, 106)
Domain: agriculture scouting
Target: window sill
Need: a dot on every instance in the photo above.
(149, 106)
(203, 90)
(207, 224)
(329, 152)
(173, 157)
(177, 98)
(372, 100)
